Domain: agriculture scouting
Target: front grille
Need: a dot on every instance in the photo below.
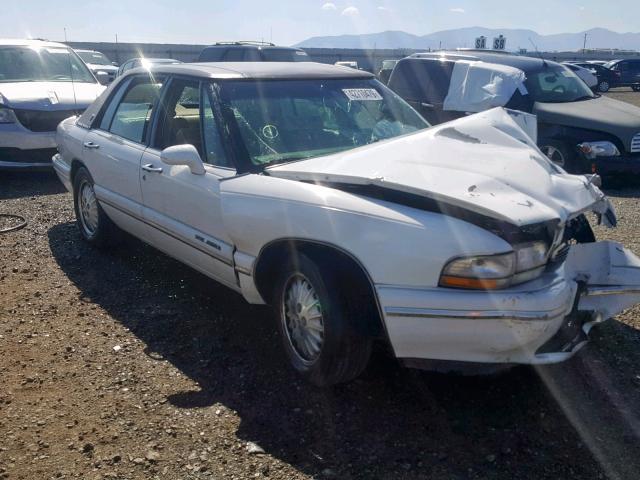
(37, 155)
(635, 143)
(43, 120)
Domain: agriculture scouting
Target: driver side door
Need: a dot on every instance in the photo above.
(181, 208)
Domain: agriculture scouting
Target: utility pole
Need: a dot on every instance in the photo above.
(65, 34)
(584, 45)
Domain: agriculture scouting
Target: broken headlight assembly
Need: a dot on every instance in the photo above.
(7, 115)
(592, 150)
(526, 262)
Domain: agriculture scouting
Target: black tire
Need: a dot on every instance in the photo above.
(636, 88)
(604, 86)
(102, 232)
(344, 350)
(561, 154)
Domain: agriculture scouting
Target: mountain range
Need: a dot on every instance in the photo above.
(465, 37)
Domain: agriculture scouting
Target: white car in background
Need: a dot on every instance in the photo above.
(318, 190)
(586, 75)
(41, 84)
(104, 69)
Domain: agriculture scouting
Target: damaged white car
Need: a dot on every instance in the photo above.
(316, 189)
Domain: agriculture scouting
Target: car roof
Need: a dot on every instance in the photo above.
(521, 62)
(260, 70)
(24, 42)
(85, 51)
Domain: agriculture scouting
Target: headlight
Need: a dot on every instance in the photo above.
(491, 272)
(480, 273)
(7, 115)
(592, 150)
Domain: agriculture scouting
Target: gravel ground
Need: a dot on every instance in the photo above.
(128, 365)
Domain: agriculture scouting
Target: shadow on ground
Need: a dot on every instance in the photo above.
(391, 423)
(15, 185)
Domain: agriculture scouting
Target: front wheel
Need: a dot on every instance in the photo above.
(636, 88)
(559, 153)
(604, 86)
(94, 225)
(318, 327)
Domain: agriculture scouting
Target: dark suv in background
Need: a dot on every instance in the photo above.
(251, 52)
(579, 130)
(629, 73)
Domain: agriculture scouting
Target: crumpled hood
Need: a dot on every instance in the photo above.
(620, 119)
(49, 95)
(484, 163)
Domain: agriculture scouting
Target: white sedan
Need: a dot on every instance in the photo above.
(316, 189)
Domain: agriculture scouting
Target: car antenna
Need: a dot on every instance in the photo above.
(535, 47)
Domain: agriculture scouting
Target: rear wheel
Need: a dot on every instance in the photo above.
(636, 88)
(318, 328)
(603, 86)
(94, 225)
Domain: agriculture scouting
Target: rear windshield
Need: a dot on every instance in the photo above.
(95, 58)
(284, 55)
(288, 120)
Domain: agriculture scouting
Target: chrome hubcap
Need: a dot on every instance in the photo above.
(302, 317)
(553, 154)
(88, 208)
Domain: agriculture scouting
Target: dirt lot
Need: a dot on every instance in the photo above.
(128, 365)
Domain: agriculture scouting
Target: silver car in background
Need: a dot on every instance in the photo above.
(41, 84)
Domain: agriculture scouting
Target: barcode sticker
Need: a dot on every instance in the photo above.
(362, 94)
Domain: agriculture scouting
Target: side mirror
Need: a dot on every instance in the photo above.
(183, 155)
(103, 77)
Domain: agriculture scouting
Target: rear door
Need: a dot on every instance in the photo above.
(183, 209)
(113, 149)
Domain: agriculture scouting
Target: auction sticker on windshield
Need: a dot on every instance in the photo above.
(362, 94)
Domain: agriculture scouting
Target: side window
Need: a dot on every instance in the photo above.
(107, 114)
(214, 149)
(234, 55)
(179, 123)
(211, 54)
(132, 114)
(623, 66)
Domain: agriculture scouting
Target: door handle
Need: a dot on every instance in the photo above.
(91, 145)
(150, 168)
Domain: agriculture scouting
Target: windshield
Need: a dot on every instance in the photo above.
(284, 55)
(29, 64)
(557, 85)
(95, 58)
(281, 121)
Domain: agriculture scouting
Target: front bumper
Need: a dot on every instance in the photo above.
(22, 149)
(506, 326)
(623, 165)
(540, 322)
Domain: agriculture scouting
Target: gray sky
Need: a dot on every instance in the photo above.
(291, 21)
